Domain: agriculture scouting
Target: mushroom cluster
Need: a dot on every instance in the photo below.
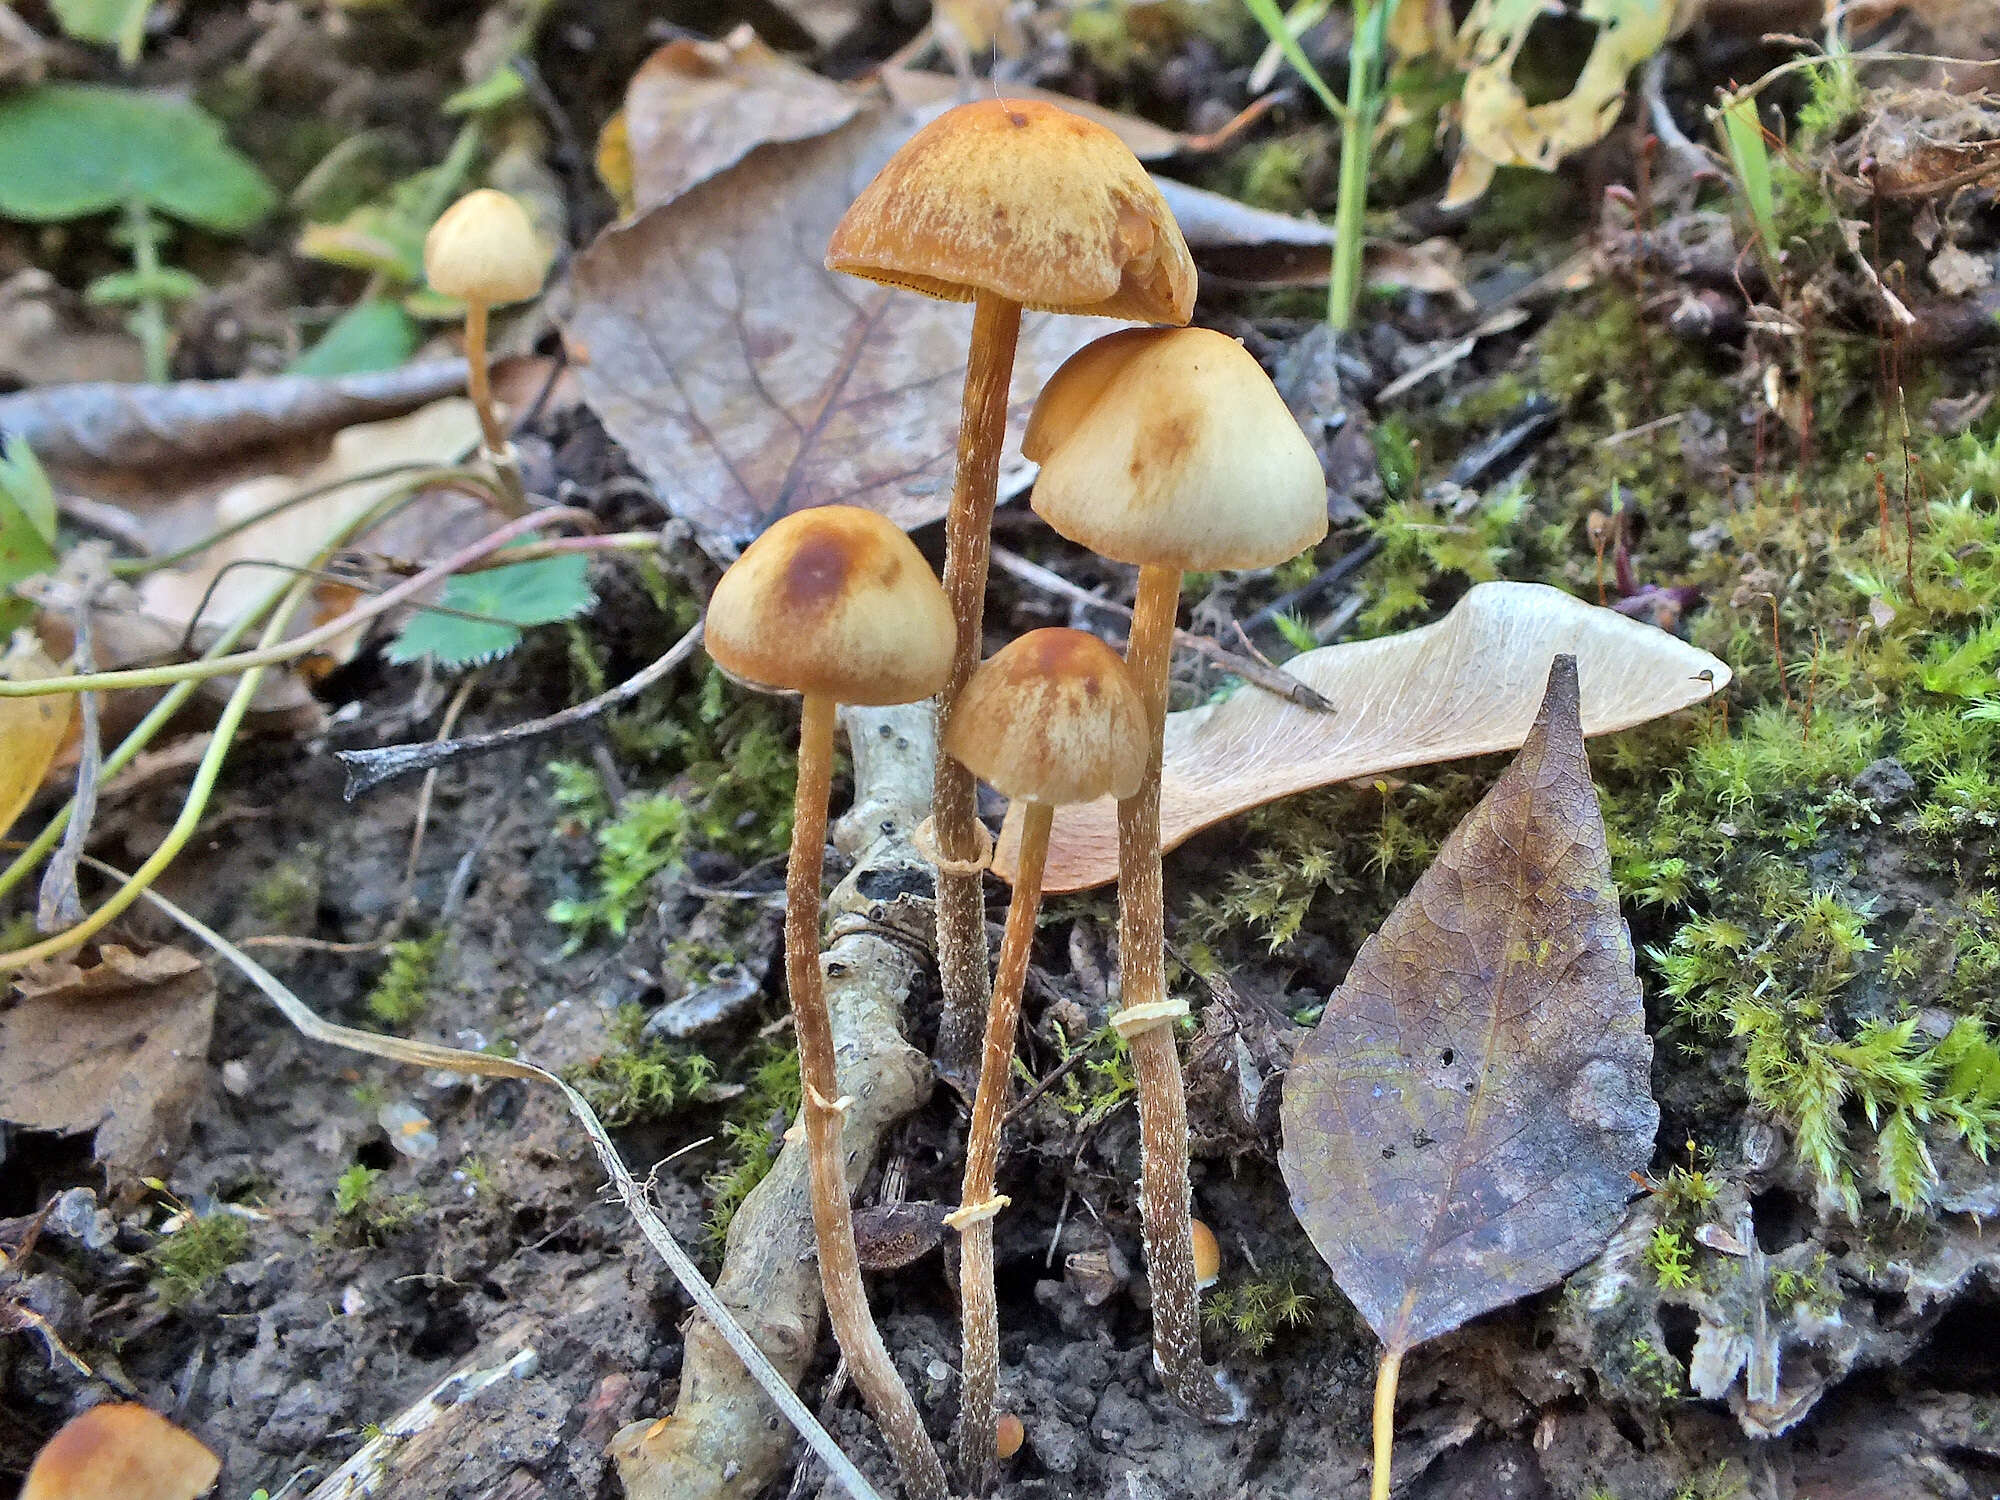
(1166, 448)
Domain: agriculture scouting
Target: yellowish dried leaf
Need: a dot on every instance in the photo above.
(1467, 685)
(31, 729)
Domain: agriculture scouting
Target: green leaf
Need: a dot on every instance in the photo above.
(496, 89)
(27, 527)
(120, 23)
(1743, 134)
(77, 149)
(369, 336)
(535, 593)
(126, 288)
(383, 237)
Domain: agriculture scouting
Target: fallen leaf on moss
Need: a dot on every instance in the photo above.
(119, 1047)
(1461, 1127)
(1463, 686)
(31, 729)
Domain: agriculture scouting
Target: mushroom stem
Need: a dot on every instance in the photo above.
(977, 1432)
(833, 1221)
(1385, 1421)
(1163, 1133)
(499, 452)
(961, 906)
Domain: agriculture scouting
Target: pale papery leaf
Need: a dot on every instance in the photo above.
(1461, 1127)
(1464, 686)
(32, 730)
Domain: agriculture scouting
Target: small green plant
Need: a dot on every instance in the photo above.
(401, 991)
(1251, 1314)
(1656, 1371)
(639, 1079)
(353, 1189)
(504, 600)
(1671, 1258)
(78, 150)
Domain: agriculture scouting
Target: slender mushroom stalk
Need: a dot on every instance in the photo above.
(484, 251)
(1168, 448)
(1007, 204)
(837, 605)
(1053, 718)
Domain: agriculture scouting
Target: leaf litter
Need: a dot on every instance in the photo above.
(1461, 687)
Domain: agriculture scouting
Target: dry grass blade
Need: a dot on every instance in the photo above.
(1466, 685)
(630, 1191)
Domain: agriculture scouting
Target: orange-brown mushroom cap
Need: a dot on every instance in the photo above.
(1171, 447)
(121, 1452)
(1053, 717)
(833, 600)
(1207, 1254)
(1029, 202)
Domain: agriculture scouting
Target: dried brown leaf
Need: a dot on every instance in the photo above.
(1463, 686)
(119, 1048)
(748, 381)
(1461, 1126)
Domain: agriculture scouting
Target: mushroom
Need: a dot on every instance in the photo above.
(1055, 717)
(122, 1451)
(1168, 448)
(484, 251)
(1005, 203)
(1010, 1434)
(1207, 1254)
(837, 605)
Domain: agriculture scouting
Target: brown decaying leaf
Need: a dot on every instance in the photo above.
(1461, 1126)
(119, 1048)
(31, 729)
(1463, 686)
(747, 381)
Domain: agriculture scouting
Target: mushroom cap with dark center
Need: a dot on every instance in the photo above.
(1054, 717)
(833, 600)
(122, 1451)
(484, 249)
(1026, 201)
(1170, 447)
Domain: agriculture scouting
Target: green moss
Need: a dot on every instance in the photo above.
(1671, 1258)
(1248, 1315)
(402, 990)
(752, 1134)
(640, 1080)
(287, 893)
(189, 1260)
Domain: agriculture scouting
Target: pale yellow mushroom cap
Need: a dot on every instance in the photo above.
(1053, 717)
(121, 1452)
(484, 249)
(1170, 447)
(1029, 202)
(833, 600)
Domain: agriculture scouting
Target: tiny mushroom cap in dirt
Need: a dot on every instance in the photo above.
(1168, 448)
(1054, 717)
(1207, 1254)
(837, 605)
(1006, 203)
(121, 1452)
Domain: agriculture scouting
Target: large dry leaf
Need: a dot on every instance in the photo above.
(31, 729)
(119, 1048)
(1461, 1126)
(748, 381)
(1464, 686)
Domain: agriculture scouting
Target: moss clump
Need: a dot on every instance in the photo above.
(288, 892)
(1250, 1314)
(403, 988)
(640, 1080)
(728, 761)
(752, 1133)
(187, 1262)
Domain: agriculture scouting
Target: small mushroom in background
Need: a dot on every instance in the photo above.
(1004, 203)
(1008, 1435)
(484, 251)
(1054, 717)
(836, 605)
(1169, 448)
(1207, 1255)
(121, 1452)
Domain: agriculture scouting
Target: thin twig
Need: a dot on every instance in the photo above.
(368, 769)
(1257, 674)
(630, 1191)
(59, 905)
(445, 726)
